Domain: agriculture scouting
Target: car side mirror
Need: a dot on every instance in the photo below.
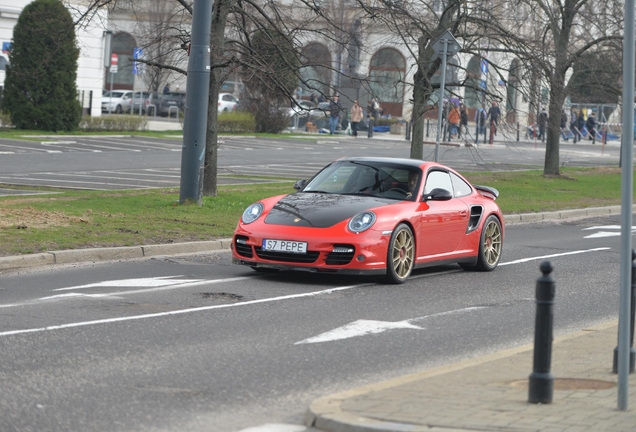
(438, 194)
(300, 184)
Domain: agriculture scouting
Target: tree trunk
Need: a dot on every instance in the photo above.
(557, 97)
(421, 94)
(217, 45)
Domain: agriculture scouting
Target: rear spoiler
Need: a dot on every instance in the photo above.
(488, 192)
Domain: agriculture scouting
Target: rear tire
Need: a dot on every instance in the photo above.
(400, 255)
(490, 245)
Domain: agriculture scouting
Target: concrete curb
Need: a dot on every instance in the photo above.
(109, 254)
(134, 252)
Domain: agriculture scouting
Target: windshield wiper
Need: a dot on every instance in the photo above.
(317, 191)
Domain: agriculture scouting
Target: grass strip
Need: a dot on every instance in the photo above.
(83, 219)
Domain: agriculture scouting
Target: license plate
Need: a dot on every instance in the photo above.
(285, 246)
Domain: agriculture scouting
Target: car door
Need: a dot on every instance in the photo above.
(443, 223)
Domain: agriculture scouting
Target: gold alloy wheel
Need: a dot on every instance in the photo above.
(403, 251)
(492, 243)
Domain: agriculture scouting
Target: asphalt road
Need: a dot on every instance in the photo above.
(195, 343)
(124, 162)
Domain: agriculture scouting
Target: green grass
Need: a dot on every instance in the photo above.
(81, 219)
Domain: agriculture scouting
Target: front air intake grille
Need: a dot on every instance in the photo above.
(341, 255)
(242, 248)
(307, 258)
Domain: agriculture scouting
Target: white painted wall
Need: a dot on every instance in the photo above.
(90, 41)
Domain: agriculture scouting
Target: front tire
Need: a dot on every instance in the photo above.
(118, 109)
(401, 255)
(490, 245)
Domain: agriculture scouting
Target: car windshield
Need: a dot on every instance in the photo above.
(380, 179)
(114, 94)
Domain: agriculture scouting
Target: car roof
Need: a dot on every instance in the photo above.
(416, 163)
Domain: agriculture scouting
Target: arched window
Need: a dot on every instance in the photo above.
(123, 45)
(513, 82)
(473, 79)
(315, 70)
(386, 80)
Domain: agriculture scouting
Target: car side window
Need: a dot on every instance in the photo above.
(461, 187)
(438, 179)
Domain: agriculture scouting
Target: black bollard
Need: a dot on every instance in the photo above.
(370, 133)
(541, 381)
(427, 127)
(517, 131)
(408, 131)
(632, 351)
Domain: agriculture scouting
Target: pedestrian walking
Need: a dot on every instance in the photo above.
(463, 120)
(454, 118)
(356, 118)
(376, 109)
(564, 123)
(480, 121)
(493, 114)
(542, 122)
(580, 124)
(335, 107)
(590, 125)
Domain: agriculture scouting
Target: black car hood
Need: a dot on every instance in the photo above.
(320, 210)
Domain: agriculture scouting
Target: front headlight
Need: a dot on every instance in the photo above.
(362, 222)
(252, 213)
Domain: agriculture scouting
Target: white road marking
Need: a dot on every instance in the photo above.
(247, 303)
(178, 284)
(523, 260)
(367, 327)
(603, 234)
(181, 311)
(139, 282)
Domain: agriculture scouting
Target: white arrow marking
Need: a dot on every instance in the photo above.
(602, 234)
(367, 327)
(618, 227)
(359, 328)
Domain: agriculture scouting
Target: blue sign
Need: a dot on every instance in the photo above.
(6, 47)
(137, 54)
(484, 66)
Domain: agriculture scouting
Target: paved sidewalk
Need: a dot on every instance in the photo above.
(490, 393)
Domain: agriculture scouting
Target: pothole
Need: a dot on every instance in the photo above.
(222, 296)
(572, 384)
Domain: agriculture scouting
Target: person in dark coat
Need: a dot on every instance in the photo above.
(542, 122)
(564, 125)
(580, 123)
(590, 125)
(463, 122)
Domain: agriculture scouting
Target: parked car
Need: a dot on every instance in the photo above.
(117, 101)
(150, 103)
(375, 216)
(301, 107)
(227, 102)
(172, 103)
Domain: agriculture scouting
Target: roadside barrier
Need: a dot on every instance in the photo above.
(541, 381)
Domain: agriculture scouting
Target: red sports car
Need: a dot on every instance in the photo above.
(381, 216)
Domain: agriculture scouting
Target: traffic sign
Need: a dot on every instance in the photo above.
(114, 59)
(452, 46)
(137, 54)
